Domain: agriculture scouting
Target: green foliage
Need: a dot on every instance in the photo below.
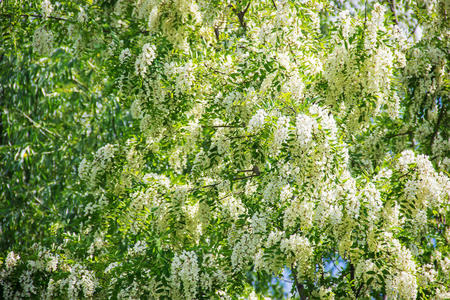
(199, 149)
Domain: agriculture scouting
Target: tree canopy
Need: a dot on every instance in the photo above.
(173, 149)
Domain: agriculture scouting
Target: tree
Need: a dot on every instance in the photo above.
(266, 135)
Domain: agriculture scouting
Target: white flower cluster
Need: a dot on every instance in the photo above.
(215, 276)
(232, 208)
(45, 263)
(46, 260)
(184, 270)
(298, 250)
(174, 24)
(442, 293)
(27, 285)
(428, 275)
(401, 286)
(138, 249)
(326, 293)
(362, 269)
(184, 76)
(43, 41)
(257, 122)
(303, 210)
(243, 250)
(281, 134)
(253, 296)
(145, 59)
(305, 127)
(82, 16)
(79, 280)
(375, 24)
(11, 260)
(46, 8)
(103, 159)
(295, 88)
(428, 188)
(360, 81)
(259, 223)
(124, 55)
(111, 267)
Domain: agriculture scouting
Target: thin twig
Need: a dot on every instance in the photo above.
(274, 5)
(217, 71)
(206, 186)
(393, 9)
(398, 134)
(38, 16)
(414, 30)
(240, 136)
(39, 126)
(222, 126)
(245, 177)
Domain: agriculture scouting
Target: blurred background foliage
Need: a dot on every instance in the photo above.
(53, 112)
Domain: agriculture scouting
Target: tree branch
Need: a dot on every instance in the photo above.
(217, 71)
(359, 290)
(216, 32)
(274, 5)
(241, 15)
(38, 16)
(393, 10)
(223, 126)
(206, 186)
(414, 30)
(398, 134)
(300, 287)
(39, 126)
(239, 137)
